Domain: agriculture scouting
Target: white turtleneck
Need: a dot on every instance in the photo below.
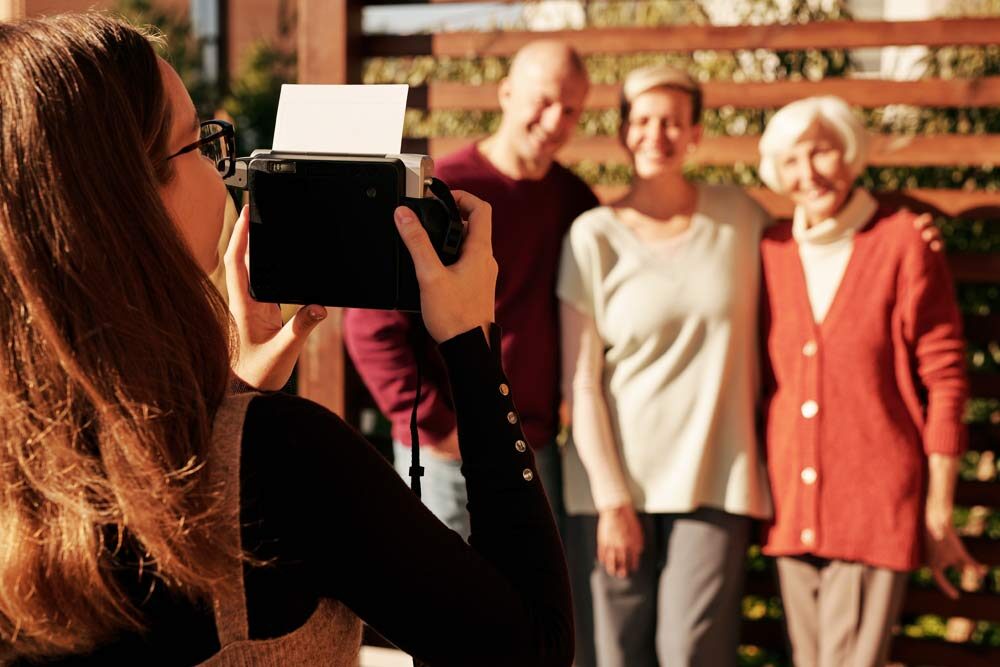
(825, 248)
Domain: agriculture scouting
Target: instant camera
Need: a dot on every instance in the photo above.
(322, 230)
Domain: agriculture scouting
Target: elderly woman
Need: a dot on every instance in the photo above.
(659, 319)
(864, 392)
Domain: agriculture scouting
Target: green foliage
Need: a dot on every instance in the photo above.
(973, 8)
(253, 100)
(618, 13)
(754, 656)
(181, 50)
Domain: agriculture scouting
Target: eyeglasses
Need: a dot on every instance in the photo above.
(218, 144)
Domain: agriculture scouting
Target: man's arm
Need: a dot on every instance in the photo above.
(383, 346)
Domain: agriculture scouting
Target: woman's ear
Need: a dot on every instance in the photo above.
(696, 134)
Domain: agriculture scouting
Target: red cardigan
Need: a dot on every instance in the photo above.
(854, 405)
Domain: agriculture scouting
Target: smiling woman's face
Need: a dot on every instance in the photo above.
(195, 196)
(814, 174)
(658, 131)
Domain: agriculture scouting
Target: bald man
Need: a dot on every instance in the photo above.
(534, 201)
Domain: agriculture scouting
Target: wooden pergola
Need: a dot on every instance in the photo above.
(332, 48)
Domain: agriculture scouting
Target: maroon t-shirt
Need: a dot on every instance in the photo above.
(529, 220)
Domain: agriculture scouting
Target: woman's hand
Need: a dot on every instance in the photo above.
(944, 549)
(929, 231)
(942, 546)
(460, 297)
(619, 540)
(268, 350)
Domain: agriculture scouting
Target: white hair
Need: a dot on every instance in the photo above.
(791, 122)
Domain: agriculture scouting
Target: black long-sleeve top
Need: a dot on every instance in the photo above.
(336, 521)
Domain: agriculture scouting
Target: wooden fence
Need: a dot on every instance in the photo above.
(330, 56)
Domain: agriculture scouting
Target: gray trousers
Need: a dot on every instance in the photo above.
(839, 613)
(681, 607)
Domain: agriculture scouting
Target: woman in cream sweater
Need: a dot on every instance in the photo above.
(659, 318)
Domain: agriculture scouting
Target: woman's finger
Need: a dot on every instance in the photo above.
(425, 259)
(289, 341)
(620, 558)
(965, 560)
(480, 217)
(269, 365)
(606, 557)
(634, 560)
(237, 277)
(305, 320)
(942, 581)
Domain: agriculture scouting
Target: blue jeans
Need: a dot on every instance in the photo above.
(443, 487)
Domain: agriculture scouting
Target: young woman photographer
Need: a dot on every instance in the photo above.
(150, 517)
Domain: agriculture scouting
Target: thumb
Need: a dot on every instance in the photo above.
(425, 260)
(305, 320)
(293, 335)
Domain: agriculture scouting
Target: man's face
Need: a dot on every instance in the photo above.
(541, 106)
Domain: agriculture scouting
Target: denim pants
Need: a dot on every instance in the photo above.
(443, 487)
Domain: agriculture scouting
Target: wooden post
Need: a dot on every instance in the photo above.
(329, 34)
(11, 9)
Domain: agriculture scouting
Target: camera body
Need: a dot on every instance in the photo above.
(322, 229)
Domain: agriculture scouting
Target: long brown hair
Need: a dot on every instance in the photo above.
(113, 345)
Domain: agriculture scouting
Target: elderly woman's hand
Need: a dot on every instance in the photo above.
(929, 231)
(944, 549)
(460, 297)
(942, 545)
(268, 349)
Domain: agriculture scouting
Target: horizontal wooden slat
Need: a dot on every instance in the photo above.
(868, 93)
(980, 606)
(944, 654)
(987, 551)
(371, 3)
(984, 437)
(765, 633)
(975, 267)
(887, 150)
(986, 385)
(982, 328)
(686, 38)
(984, 549)
(978, 493)
(769, 634)
(974, 204)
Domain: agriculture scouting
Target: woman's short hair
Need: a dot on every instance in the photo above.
(791, 122)
(647, 78)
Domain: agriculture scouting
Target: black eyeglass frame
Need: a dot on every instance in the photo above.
(228, 132)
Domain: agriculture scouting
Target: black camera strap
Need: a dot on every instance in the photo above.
(441, 191)
(416, 470)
